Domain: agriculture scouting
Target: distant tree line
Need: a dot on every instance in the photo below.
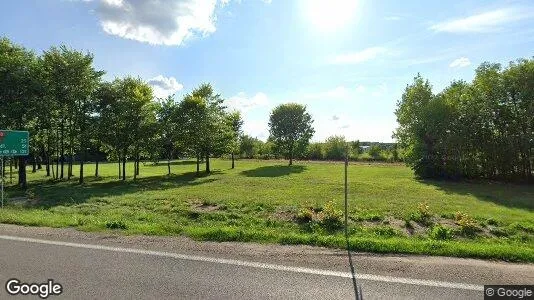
(481, 129)
(334, 148)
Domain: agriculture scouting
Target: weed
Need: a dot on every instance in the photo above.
(116, 225)
(385, 231)
(440, 233)
(468, 225)
(330, 218)
(304, 215)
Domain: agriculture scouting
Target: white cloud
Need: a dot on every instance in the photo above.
(484, 22)
(164, 86)
(243, 103)
(360, 56)
(393, 18)
(460, 62)
(168, 22)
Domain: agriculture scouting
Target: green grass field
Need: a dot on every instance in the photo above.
(266, 201)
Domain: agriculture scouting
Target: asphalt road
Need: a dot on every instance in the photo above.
(103, 267)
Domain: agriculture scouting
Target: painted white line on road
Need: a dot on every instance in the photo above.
(391, 279)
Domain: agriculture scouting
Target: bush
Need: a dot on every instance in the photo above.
(116, 225)
(468, 225)
(440, 233)
(492, 222)
(335, 148)
(330, 218)
(423, 215)
(304, 215)
(386, 231)
(315, 151)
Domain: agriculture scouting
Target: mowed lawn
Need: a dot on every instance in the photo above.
(267, 201)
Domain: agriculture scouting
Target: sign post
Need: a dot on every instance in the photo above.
(12, 143)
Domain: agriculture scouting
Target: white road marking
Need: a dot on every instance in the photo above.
(391, 279)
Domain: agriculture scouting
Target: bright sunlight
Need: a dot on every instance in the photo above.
(328, 16)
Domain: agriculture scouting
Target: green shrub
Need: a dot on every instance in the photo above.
(330, 218)
(468, 225)
(116, 225)
(491, 221)
(423, 215)
(304, 215)
(440, 233)
(385, 231)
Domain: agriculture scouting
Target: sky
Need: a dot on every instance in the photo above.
(348, 61)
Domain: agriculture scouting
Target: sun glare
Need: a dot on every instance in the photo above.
(330, 15)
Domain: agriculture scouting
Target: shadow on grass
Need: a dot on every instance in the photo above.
(505, 194)
(173, 163)
(273, 171)
(49, 194)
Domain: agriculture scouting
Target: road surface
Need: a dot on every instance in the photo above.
(99, 266)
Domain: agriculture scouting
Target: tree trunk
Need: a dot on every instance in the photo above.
(208, 170)
(291, 155)
(169, 166)
(124, 167)
(47, 165)
(198, 164)
(137, 169)
(233, 164)
(120, 161)
(69, 168)
(11, 170)
(34, 164)
(22, 172)
(62, 153)
(96, 167)
(81, 171)
(52, 167)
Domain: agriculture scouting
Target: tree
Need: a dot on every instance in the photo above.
(290, 128)
(235, 123)
(20, 90)
(335, 148)
(206, 129)
(316, 151)
(249, 146)
(375, 152)
(126, 111)
(355, 149)
(167, 117)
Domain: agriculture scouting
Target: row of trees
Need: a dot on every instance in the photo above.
(333, 148)
(73, 114)
(481, 129)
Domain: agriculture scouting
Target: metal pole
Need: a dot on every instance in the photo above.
(346, 197)
(2, 174)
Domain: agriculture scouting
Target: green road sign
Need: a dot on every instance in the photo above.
(14, 143)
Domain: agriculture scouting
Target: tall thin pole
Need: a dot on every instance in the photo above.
(346, 196)
(2, 182)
